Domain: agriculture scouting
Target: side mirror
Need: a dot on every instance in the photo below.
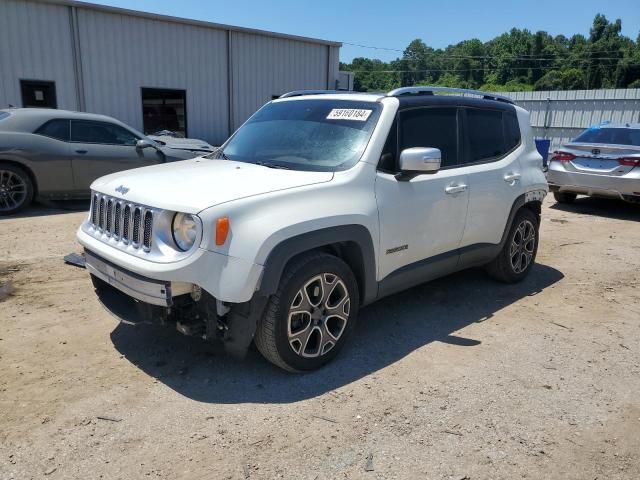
(420, 160)
(144, 143)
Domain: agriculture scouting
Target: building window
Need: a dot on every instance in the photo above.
(38, 94)
(164, 110)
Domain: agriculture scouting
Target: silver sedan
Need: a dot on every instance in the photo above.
(56, 154)
(603, 161)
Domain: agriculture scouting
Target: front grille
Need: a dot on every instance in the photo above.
(128, 223)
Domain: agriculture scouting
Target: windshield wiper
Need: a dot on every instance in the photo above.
(270, 165)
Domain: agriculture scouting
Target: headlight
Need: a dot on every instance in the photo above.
(185, 230)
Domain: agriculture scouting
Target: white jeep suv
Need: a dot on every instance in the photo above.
(322, 202)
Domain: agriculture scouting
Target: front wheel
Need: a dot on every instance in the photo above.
(309, 319)
(16, 189)
(519, 252)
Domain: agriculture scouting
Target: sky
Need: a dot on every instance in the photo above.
(393, 24)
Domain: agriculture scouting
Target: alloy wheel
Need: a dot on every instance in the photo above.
(318, 315)
(13, 190)
(523, 245)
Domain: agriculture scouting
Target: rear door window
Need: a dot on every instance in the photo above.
(58, 129)
(485, 135)
(86, 131)
(431, 127)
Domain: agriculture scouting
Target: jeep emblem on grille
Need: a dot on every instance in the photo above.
(122, 189)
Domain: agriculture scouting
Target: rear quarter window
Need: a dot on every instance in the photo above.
(511, 130)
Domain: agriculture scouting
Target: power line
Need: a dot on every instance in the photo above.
(431, 70)
(521, 56)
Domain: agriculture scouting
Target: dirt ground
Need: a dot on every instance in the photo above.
(462, 378)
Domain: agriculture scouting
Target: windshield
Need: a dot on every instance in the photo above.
(318, 135)
(615, 136)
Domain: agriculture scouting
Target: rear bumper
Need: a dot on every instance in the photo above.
(594, 185)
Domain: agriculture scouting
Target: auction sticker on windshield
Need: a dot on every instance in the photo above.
(357, 114)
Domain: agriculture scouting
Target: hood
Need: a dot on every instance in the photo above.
(191, 186)
(167, 141)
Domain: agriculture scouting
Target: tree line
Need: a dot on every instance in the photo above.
(515, 61)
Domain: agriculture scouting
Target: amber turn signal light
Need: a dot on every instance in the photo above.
(222, 230)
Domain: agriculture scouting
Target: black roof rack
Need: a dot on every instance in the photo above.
(299, 93)
(428, 90)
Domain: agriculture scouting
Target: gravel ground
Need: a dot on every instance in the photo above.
(462, 378)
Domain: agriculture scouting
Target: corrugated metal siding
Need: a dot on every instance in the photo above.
(571, 111)
(35, 44)
(265, 66)
(334, 67)
(121, 54)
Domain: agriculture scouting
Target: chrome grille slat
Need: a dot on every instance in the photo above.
(109, 222)
(101, 214)
(126, 227)
(148, 226)
(126, 223)
(135, 234)
(94, 209)
(117, 219)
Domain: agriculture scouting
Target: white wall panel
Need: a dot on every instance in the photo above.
(267, 66)
(35, 44)
(121, 54)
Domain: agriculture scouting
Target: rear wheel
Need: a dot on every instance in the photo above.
(564, 197)
(309, 319)
(16, 189)
(519, 252)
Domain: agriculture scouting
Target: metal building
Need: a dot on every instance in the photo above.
(561, 115)
(151, 71)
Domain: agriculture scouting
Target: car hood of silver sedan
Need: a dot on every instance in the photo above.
(191, 186)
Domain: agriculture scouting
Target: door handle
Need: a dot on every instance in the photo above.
(452, 189)
(81, 151)
(512, 177)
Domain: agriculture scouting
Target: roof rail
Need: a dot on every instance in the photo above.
(427, 90)
(298, 93)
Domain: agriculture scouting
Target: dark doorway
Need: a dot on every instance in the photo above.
(38, 94)
(164, 110)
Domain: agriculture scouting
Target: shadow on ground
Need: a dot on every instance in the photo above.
(602, 207)
(387, 331)
(45, 208)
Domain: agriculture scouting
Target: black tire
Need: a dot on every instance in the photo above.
(272, 335)
(503, 268)
(16, 189)
(564, 197)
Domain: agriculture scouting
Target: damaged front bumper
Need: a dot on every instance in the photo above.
(135, 299)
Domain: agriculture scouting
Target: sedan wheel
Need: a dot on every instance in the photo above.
(15, 189)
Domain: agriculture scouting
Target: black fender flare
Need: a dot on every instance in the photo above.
(243, 318)
(354, 234)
